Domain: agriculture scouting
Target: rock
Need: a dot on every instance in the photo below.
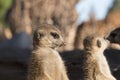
(20, 40)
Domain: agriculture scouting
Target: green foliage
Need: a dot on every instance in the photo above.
(4, 6)
(117, 5)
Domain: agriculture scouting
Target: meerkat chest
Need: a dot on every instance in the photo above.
(57, 57)
(51, 57)
(56, 61)
(103, 64)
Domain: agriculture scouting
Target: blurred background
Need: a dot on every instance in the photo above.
(76, 20)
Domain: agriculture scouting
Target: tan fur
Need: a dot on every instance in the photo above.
(45, 62)
(115, 46)
(95, 65)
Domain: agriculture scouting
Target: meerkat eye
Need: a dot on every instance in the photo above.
(54, 35)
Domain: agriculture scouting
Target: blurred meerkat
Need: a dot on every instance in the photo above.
(45, 62)
(114, 39)
(114, 36)
(95, 66)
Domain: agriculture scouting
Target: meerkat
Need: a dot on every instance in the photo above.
(114, 36)
(95, 65)
(114, 39)
(45, 62)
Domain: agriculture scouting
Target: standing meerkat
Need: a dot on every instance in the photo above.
(45, 62)
(95, 66)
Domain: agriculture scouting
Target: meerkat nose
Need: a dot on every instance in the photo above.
(63, 44)
(60, 43)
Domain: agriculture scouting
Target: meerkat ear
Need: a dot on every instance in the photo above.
(35, 36)
(99, 43)
(40, 35)
(87, 44)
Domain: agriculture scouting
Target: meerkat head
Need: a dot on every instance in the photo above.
(114, 36)
(95, 43)
(47, 36)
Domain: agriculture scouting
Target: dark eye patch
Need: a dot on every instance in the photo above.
(54, 35)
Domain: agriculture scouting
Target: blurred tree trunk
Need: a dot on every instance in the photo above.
(25, 15)
(2, 35)
(19, 18)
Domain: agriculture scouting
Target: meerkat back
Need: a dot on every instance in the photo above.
(45, 62)
(95, 64)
